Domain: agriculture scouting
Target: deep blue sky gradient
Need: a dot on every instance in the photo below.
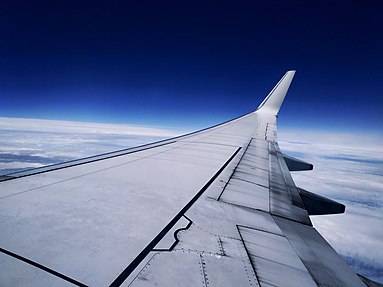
(189, 64)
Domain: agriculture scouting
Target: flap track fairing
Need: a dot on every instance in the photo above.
(320, 205)
(295, 164)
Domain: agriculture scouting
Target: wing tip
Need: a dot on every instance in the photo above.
(273, 102)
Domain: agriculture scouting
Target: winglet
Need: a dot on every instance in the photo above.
(272, 103)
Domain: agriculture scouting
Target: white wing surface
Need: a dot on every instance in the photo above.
(216, 207)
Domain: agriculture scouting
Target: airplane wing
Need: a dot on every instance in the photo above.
(217, 207)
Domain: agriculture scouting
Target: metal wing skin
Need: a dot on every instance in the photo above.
(217, 207)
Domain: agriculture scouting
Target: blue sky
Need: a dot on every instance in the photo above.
(192, 64)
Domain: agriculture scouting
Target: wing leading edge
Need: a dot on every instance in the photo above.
(214, 207)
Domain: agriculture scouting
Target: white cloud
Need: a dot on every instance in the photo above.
(17, 165)
(28, 143)
(54, 126)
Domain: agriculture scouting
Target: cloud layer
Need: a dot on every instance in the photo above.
(347, 168)
(30, 143)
